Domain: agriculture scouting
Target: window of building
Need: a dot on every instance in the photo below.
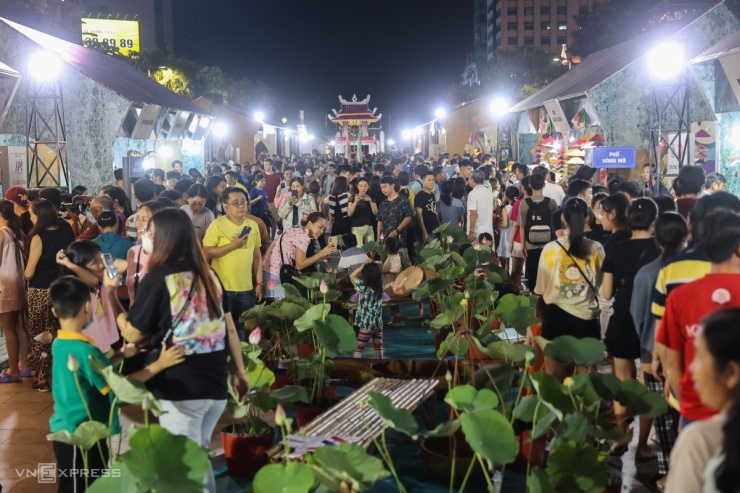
(528, 10)
(529, 41)
(511, 41)
(545, 10)
(528, 26)
(511, 10)
(511, 26)
(545, 26)
(562, 40)
(563, 10)
(562, 26)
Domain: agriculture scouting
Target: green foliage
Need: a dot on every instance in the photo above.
(128, 391)
(347, 463)
(568, 350)
(158, 461)
(454, 344)
(293, 477)
(85, 436)
(336, 335)
(490, 435)
(515, 311)
(393, 417)
(576, 467)
(316, 312)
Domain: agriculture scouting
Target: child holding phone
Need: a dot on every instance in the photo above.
(84, 259)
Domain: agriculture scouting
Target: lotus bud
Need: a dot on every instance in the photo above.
(272, 285)
(72, 364)
(280, 415)
(448, 376)
(467, 294)
(255, 336)
(476, 245)
(450, 239)
(146, 403)
(323, 287)
(569, 382)
(464, 302)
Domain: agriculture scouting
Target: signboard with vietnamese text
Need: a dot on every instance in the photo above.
(111, 34)
(557, 116)
(614, 157)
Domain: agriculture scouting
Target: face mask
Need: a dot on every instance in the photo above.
(147, 244)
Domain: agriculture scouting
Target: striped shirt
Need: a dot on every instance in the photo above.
(342, 200)
(687, 266)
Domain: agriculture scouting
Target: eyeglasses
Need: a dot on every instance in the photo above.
(197, 204)
(243, 203)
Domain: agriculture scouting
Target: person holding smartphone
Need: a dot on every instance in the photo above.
(297, 206)
(232, 244)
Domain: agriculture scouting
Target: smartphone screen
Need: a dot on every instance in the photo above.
(294, 193)
(109, 267)
(333, 241)
(245, 231)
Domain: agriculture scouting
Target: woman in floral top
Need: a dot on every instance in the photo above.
(369, 316)
(294, 247)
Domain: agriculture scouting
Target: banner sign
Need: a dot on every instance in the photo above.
(614, 157)
(557, 116)
(112, 34)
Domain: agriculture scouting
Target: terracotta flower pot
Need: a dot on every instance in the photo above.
(245, 454)
(436, 453)
(533, 451)
(305, 350)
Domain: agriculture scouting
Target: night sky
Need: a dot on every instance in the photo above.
(405, 53)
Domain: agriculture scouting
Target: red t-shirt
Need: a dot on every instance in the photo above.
(686, 306)
(515, 214)
(271, 183)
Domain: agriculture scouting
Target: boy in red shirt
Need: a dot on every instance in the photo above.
(689, 303)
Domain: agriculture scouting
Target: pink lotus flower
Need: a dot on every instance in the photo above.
(450, 239)
(323, 287)
(272, 285)
(255, 336)
(328, 269)
(280, 415)
(476, 245)
(72, 364)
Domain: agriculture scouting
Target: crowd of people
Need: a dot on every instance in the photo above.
(652, 272)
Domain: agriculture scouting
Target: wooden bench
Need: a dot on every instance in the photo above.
(347, 418)
(352, 306)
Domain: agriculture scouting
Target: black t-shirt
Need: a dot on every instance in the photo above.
(26, 223)
(623, 260)
(425, 201)
(363, 215)
(615, 238)
(52, 240)
(163, 293)
(598, 233)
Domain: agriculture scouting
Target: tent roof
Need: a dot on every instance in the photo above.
(9, 71)
(116, 75)
(597, 68)
(726, 46)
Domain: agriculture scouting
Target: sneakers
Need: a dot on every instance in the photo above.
(42, 386)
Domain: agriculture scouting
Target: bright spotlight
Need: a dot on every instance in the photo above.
(499, 107)
(165, 151)
(391, 142)
(333, 143)
(406, 134)
(259, 116)
(204, 122)
(44, 66)
(220, 129)
(440, 113)
(666, 61)
(149, 162)
(416, 132)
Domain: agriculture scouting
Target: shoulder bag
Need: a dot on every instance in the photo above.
(590, 284)
(287, 270)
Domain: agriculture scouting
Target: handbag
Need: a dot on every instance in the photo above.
(156, 349)
(287, 271)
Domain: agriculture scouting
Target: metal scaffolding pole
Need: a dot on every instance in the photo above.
(46, 135)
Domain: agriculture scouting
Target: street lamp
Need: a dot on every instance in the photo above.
(406, 134)
(391, 142)
(259, 116)
(440, 113)
(499, 107)
(44, 66)
(666, 61)
(220, 130)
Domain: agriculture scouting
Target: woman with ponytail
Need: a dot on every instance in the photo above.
(621, 264)
(569, 279)
(707, 455)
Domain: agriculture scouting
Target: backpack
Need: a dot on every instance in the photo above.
(538, 223)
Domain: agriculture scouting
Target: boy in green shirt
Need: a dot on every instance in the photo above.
(71, 305)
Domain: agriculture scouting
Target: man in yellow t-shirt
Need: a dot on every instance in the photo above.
(232, 244)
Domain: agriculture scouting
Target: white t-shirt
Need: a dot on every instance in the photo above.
(696, 445)
(480, 199)
(554, 192)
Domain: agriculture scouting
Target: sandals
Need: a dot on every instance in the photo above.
(42, 387)
(6, 377)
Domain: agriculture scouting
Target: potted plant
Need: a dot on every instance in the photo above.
(248, 436)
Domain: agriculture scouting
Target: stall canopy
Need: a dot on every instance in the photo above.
(155, 111)
(597, 68)
(9, 80)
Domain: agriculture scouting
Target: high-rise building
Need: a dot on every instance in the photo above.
(483, 35)
(547, 24)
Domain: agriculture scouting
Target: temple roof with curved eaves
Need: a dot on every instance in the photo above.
(355, 110)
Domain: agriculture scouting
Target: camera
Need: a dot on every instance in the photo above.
(78, 207)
